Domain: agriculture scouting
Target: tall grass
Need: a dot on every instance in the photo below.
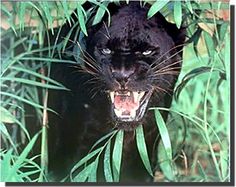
(195, 140)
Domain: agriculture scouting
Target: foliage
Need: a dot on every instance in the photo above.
(195, 139)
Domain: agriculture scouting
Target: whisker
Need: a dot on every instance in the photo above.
(158, 79)
(87, 62)
(84, 51)
(84, 70)
(167, 69)
(96, 90)
(104, 35)
(158, 88)
(89, 57)
(164, 68)
(92, 81)
(109, 36)
(168, 73)
(181, 45)
(157, 65)
(93, 63)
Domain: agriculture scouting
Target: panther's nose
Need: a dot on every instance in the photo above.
(122, 76)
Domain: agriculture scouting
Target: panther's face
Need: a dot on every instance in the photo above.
(135, 57)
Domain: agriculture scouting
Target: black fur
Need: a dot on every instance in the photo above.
(85, 111)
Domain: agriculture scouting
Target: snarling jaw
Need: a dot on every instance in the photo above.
(129, 106)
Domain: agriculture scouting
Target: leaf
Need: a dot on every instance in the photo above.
(189, 6)
(103, 138)
(227, 55)
(205, 27)
(66, 10)
(6, 116)
(38, 75)
(192, 74)
(5, 163)
(201, 171)
(83, 175)
(166, 151)
(46, 10)
(142, 148)
(22, 8)
(209, 44)
(93, 172)
(81, 19)
(33, 83)
(107, 163)
(48, 60)
(5, 132)
(165, 164)
(224, 163)
(164, 134)
(178, 13)
(22, 157)
(84, 160)
(158, 5)
(117, 155)
(223, 30)
(100, 13)
(25, 100)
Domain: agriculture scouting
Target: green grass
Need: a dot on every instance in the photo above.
(194, 141)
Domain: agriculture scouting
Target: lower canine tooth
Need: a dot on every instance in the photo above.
(118, 112)
(133, 113)
(136, 95)
(141, 95)
(112, 95)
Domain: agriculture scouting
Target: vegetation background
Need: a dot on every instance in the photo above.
(195, 142)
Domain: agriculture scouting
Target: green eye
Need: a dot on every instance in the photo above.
(147, 52)
(106, 51)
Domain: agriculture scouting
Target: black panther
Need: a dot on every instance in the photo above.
(125, 68)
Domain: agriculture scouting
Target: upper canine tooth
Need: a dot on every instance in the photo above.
(141, 95)
(112, 95)
(128, 93)
(133, 114)
(118, 112)
(136, 95)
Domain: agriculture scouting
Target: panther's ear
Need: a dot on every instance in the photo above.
(177, 34)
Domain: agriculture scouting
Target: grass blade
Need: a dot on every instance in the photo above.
(22, 157)
(93, 173)
(24, 100)
(81, 19)
(84, 160)
(103, 138)
(6, 116)
(100, 13)
(107, 164)
(209, 44)
(117, 155)
(164, 133)
(142, 148)
(84, 174)
(178, 13)
(158, 5)
(38, 75)
(33, 83)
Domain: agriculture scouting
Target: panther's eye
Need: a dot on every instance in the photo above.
(106, 51)
(147, 52)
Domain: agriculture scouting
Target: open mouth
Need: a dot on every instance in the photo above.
(128, 105)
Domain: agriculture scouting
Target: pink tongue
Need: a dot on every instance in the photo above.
(125, 103)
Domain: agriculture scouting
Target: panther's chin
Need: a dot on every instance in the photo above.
(129, 106)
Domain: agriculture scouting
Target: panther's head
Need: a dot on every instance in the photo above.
(135, 57)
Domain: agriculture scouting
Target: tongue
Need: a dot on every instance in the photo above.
(125, 103)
